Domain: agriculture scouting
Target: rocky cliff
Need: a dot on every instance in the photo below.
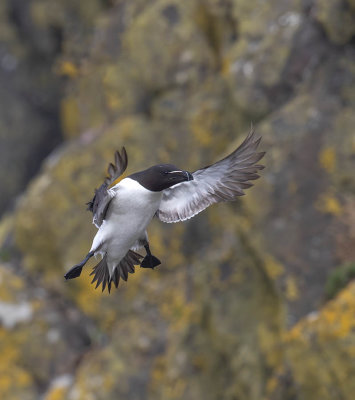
(253, 300)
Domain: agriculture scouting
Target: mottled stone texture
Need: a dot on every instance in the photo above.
(239, 308)
(35, 36)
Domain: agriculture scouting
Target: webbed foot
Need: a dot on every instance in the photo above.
(76, 270)
(150, 261)
(73, 272)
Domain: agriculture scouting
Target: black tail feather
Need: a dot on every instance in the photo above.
(116, 277)
(123, 268)
(99, 272)
(102, 275)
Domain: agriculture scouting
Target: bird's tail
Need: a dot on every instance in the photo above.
(126, 265)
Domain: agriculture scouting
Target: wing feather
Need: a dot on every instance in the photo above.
(101, 200)
(223, 181)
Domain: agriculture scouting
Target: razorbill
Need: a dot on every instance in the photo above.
(122, 212)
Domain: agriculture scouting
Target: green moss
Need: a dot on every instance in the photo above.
(338, 279)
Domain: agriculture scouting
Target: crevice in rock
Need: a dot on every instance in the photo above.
(216, 29)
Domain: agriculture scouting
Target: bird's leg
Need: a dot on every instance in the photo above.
(149, 260)
(147, 249)
(75, 271)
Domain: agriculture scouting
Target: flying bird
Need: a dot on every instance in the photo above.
(122, 212)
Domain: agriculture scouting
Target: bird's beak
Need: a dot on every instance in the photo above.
(189, 175)
(186, 175)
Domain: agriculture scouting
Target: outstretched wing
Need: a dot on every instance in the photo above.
(101, 200)
(222, 181)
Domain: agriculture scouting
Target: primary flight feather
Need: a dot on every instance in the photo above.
(122, 212)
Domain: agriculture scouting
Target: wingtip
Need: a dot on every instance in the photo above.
(124, 151)
(115, 170)
(253, 136)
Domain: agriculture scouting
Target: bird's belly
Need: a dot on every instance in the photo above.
(126, 220)
(132, 213)
(122, 232)
(125, 230)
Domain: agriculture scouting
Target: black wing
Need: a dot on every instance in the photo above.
(222, 181)
(101, 200)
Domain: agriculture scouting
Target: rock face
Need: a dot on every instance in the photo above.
(239, 308)
(34, 40)
(29, 121)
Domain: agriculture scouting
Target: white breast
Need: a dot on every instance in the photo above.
(131, 197)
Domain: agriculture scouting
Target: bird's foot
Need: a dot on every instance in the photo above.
(76, 270)
(150, 261)
(73, 272)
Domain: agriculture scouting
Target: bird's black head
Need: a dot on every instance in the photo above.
(161, 176)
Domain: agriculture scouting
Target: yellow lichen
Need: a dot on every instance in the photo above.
(57, 393)
(202, 135)
(334, 321)
(273, 267)
(70, 116)
(327, 159)
(269, 343)
(10, 284)
(177, 309)
(113, 101)
(329, 204)
(271, 384)
(12, 376)
(67, 68)
(292, 292)
(225, 66)
(202, 125)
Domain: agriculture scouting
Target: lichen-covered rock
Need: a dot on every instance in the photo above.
(337, 18)
(15, 380)
(28, 124)
(305, 253)
(237, 308)
(33, 36)
(327, 340)
(42, 335)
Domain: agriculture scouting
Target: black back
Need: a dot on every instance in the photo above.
(160, 177)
